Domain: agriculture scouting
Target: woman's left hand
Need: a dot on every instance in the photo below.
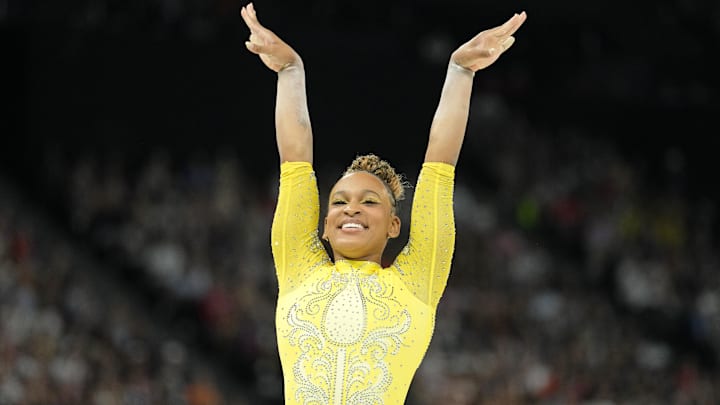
(487, 46)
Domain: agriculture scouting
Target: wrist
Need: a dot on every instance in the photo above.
(290, 66)
(295, 62)
(456, 67)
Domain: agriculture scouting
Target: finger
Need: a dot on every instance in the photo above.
(246, 17)
(263, 37)
(518, 23)
(250, 18)
(253, 47)
(503, 29)
(519, 19)
(510, 26)
(507, 43)
(258, 42)
(500, 48)
(251, 8)
(253, 15)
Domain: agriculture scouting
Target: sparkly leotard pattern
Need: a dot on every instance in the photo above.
(353, 332)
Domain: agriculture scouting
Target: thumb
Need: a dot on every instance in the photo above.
(253, 47)
(507, 43)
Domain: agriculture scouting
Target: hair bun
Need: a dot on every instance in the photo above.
(381, 168)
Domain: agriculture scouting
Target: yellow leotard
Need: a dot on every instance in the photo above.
(353, 332)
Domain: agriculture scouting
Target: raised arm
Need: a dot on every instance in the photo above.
(293, 131)
(450, 121)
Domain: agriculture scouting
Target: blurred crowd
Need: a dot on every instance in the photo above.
(196, 232)
(71, 334)
(579, 277)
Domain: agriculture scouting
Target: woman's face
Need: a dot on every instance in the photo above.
(360, 218)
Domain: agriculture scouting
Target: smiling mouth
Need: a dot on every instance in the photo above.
(351, 226)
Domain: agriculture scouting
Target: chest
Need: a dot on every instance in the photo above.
(346, 309)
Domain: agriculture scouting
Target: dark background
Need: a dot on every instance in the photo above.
(134, 75)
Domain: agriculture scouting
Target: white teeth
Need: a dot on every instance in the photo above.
(357, 226)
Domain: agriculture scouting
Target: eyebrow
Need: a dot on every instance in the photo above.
(365, 191)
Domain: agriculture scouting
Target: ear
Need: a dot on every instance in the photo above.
(394, 229)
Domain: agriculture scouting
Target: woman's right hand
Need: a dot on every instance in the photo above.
(273, 51)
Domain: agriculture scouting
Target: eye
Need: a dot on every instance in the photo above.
(371, 202)
(338, 202)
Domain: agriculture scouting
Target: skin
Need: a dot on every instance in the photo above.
(360, 198)
(293, 130)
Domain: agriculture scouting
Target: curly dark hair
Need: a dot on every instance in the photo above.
(371, 163)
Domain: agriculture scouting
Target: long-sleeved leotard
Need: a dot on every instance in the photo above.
(353, 332)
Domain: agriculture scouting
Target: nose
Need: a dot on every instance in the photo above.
(350, 209)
